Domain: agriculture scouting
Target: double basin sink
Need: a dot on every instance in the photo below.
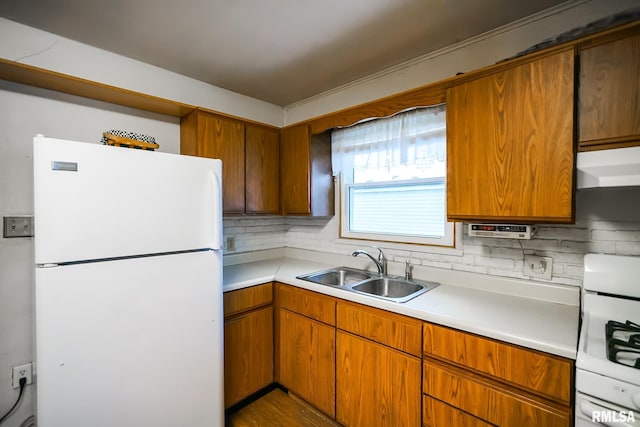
(365, 282)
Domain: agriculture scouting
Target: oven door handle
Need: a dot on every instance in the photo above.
(589, 408)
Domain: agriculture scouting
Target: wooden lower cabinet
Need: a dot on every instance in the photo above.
(376, 385)
(248, 342)
(470, 380)
(394, 330)
(365, 366)
(306, 357)
(489, 400)
(545, 375)
(438, 414)
(248, 354)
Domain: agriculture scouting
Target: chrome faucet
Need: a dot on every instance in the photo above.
(381, 262)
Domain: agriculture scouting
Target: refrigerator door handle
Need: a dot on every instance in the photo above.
(216, 240)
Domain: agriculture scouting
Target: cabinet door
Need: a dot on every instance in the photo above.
(375, 385)
(609, 111)
(295, 170)
(220, 138)
(306, 355)
(262, 148)
(510, 150)
(248, 354)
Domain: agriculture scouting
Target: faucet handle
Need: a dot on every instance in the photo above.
(381, 256)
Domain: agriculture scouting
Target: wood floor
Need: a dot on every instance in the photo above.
(278, 409)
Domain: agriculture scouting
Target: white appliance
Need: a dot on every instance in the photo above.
(608, 362)
(617, 167)
(129, 328)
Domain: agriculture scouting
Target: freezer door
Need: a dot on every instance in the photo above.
(94, 201)
(131, 342)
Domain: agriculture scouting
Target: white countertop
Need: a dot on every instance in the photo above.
(548, 321)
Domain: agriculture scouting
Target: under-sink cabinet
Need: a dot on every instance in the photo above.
(306, 345)
(248, 342)
(471, 380)
(377, 367)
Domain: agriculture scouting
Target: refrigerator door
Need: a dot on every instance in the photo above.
(94, 201)
(134, 342)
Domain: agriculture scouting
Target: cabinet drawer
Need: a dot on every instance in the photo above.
(311, 304)
(246, 299)
(397, 331)
(488, 400)
(439, 414)
(547, 375)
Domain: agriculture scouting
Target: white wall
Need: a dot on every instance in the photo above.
(27, 111)
(37, 48)
(467, 55)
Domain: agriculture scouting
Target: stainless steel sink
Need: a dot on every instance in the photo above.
(341, 276)
(395, 289)
(368, 283)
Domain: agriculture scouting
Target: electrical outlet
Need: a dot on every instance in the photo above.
(18, 226)
(22, 371)
(231, 244)
(538, 266)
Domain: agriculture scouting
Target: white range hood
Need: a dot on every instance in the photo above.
(618, 167)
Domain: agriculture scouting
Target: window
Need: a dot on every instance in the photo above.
(393, 178)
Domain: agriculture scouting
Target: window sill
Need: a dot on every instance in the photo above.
(410, 247)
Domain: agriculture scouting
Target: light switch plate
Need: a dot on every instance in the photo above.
(17, 226)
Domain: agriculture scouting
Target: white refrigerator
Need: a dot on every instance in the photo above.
(128, 297)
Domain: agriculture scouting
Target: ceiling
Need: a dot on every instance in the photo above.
(279, 51)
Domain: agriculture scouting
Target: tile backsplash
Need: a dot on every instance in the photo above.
(607, 221)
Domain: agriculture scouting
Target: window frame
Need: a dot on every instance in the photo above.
(449, 240)
(450, 243)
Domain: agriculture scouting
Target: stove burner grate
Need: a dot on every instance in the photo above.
(623, 342)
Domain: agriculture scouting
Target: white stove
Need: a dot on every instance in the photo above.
(608, 361)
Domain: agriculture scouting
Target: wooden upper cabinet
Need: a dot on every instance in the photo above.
(262, 149)
(609, 111)
(207, 135)
(510, 144)
(305, 172)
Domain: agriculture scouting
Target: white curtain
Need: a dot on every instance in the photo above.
(410, 144)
